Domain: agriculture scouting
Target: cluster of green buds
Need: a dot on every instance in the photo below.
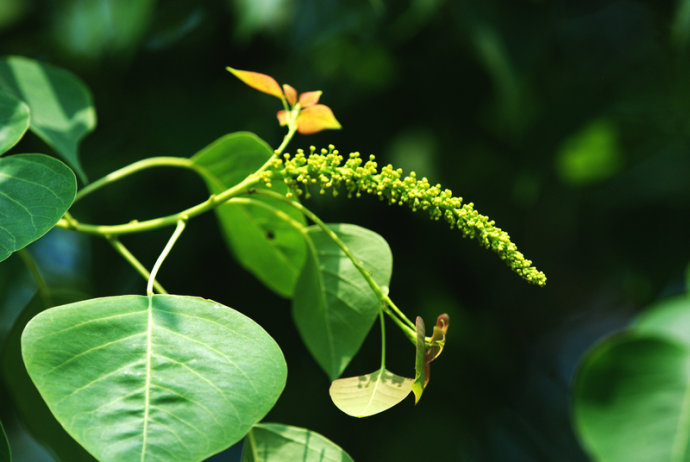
(325, 170)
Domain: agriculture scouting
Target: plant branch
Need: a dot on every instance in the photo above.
(136, 264)
(166, 250)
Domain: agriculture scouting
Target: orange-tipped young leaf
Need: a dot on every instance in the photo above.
(309, 98)
(282, 117)
(290, 94)
(316, 118)
(262, 82)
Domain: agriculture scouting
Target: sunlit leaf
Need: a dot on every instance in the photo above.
(631, 401)
(14, 121)
(157, 378)
(669, 318)
(333, 306)
(316, 118)
(420, 378)
(263, 243)
(290, 94)
(61, 106)
(262, 82)
(272, 442)
(369, 394)
(5, 453)
(35, 191)
(309, 98)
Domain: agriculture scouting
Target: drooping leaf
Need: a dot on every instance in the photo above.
(315, 118)
(262, 82)
(334, 307)
(35, 191)
(263, 243)
(31, 410)
(631, 399)
(61, 106)
(420, 378)
(309, 98)
(272, 442)
(154, 378)
(5, 453)
(369, 394)
(14, 121)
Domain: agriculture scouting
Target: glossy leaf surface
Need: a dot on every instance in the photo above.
(153, 378)
(272, 442)
(5, 453)
(264, 244)
(14, 121)
(61, 106)
(631, 400)
(35, 191)
(334, 307)
(369, 394)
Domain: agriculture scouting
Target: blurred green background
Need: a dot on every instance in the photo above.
(566, 122)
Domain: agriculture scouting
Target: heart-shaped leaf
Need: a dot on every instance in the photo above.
(5, 453)
(35, 191)
(369, 394)
(61, 106)
(263, 243)
(334, 307)
(156, 378)
(272, 442)
(14, 121)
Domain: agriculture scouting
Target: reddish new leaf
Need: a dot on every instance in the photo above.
(309, 98)
(282, 117)
(290, 94)
(316, 118)
(262, 82)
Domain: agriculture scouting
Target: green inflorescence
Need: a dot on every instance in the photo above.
(325, 169)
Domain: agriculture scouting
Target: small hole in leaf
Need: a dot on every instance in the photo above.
(270, 235)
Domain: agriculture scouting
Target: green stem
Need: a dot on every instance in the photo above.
(166, 250)
(122, 250)
(181, 162)
(405, 324)
(35, 271)
(382, 320)
(139, 226)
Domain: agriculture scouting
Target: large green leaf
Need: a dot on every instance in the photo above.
(157, 378)
(369, 394)
(668, 318)
(272, 442)
(631, 400)
(26, 402)
(35, 191)
(264, 244)
(334, 307)
(61, 107)
(14, 121)
(5, 454)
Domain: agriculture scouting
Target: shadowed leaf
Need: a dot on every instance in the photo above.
(14, 121)
(272, 442)
(35, 191)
